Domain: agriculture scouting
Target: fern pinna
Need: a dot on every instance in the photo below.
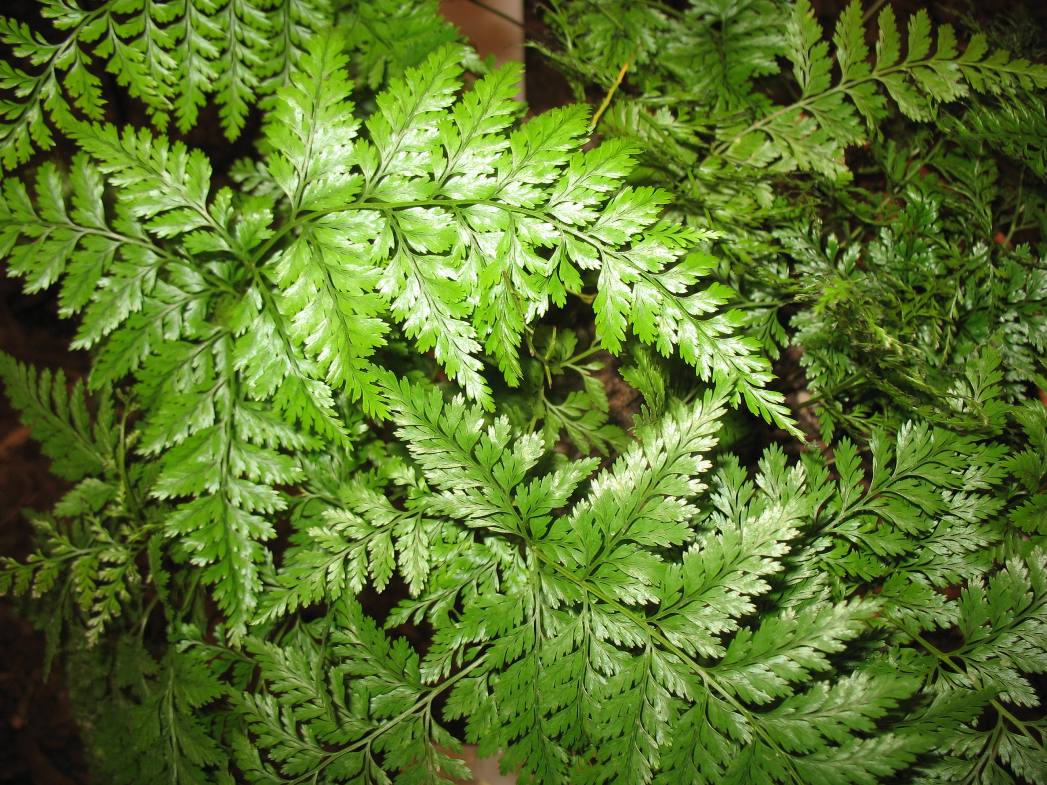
(350, 483)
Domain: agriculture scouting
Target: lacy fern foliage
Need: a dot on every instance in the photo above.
(421, 424)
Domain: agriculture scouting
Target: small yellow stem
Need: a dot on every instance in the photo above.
(610, 93)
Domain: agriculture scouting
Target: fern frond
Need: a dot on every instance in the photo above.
(813, 132)
(326, 281)
(77, 444)
(594, 616)
(727, 44)
(350, 515)
(450, 208)
(1001, 624)
(43, 240)
(154, 716)
(406, 35)
(929, 486)
(173, 56)
(390, 716)
(470, 462)
(220, 450)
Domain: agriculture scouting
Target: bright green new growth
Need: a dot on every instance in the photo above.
(591, 613)
(440, 220)
(347, 493)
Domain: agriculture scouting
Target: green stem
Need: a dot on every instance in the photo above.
(610, 93)
(872, 10)
(121, 466)
(497, 12)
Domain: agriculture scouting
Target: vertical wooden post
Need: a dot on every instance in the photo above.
(494, 27)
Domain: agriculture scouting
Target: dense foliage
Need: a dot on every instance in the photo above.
(361, 470)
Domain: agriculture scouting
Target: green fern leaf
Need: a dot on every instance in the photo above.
(59, 419)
